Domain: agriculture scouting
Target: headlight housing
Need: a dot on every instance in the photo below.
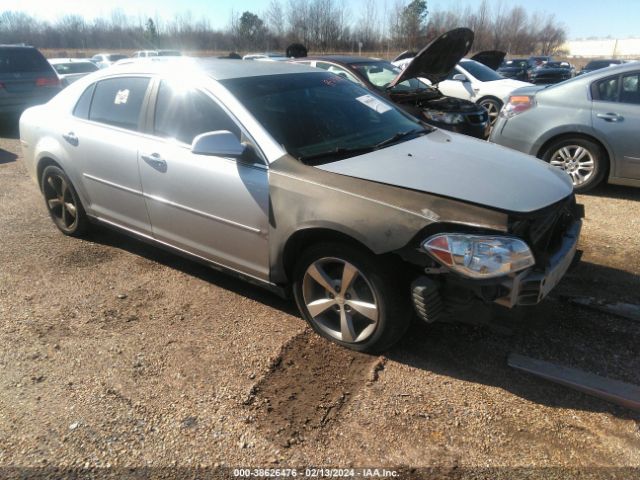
(480, 256)
(443, 117)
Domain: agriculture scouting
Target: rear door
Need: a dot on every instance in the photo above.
(616, 113)
(214, 207)
(103, 140)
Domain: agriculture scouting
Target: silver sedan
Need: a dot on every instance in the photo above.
(587, 126)
(300, 181)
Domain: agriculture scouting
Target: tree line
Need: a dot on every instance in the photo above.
(321, 25)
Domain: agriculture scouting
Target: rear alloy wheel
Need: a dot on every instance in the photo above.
(583, 160)
(492, 106)
(347, 296)
(63, 203)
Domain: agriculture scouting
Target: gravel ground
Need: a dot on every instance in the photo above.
(114, 353)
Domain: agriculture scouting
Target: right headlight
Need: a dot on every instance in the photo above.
(480, 256)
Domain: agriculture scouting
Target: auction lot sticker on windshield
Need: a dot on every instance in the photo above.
(373, 103)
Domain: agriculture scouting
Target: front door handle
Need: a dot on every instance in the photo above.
(156, 161)
(71, 138)
(610, 117)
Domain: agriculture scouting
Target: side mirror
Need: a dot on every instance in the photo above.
(222, 143)
(459, 77)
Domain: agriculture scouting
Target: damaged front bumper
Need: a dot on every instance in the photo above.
(531, 286)
(435, 298)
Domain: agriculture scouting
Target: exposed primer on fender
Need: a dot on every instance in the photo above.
(382, 217)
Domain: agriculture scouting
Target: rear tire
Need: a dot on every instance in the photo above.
(63, 203)
(369, 315)
(584, 161)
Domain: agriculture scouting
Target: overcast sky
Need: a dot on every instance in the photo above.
(582, 18)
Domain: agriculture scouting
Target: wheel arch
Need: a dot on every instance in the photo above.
(490, 97)
(43, 163)
(301, 239)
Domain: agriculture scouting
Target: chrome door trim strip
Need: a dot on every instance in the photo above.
(182, 250)
(202, 214)
(111, 184)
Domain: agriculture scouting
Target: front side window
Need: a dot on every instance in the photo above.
(630, 92)
(184, 114)
(316, 115)
(480, 71)
(118, 101)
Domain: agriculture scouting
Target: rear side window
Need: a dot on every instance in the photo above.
(183, 115)
(22, 60)
(81, 109)
(118, 101)
(629, 92)
(606, 90)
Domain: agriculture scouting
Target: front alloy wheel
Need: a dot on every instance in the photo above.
(493, 109)
(340, 300)
(351, 296)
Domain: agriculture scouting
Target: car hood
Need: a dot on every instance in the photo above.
(462, 168)
(435, 61)
(491, 58)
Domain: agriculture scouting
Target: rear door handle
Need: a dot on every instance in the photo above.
(156, 161)
(610, 117)
(71, 138)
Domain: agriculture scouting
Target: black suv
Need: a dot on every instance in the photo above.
(26, 79)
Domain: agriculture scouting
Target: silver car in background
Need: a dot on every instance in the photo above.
(300, 181)
(588, 126)
(71, 69)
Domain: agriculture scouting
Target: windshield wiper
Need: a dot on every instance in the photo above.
(336, 152)
(400, 135)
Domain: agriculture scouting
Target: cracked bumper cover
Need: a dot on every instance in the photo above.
(531, 286)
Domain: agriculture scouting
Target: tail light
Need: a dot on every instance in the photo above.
(516, 105)
(48, 82)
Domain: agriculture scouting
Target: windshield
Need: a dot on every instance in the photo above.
(514, 64)
(169, 53)
(479, 71)
(79, 67)
(381, 74)
(115, 57)
(311, 114)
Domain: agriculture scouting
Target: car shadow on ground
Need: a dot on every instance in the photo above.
(106, 236)
(555, 331)
(616, 191)
(7, 157)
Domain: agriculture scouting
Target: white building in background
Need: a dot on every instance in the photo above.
(608, 47)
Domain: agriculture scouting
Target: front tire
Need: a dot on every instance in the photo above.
(583, 160)
(492, 106)
(351, 297)
(63, 203)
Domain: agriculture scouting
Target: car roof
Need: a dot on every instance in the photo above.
(218, 69)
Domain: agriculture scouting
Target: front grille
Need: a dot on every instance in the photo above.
(478, 117)
(544, 230)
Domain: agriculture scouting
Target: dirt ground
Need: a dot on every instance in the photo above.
(117, 354)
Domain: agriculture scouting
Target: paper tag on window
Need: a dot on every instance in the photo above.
(373, 103)
(121, 97)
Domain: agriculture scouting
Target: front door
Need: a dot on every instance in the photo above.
(214, 207)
